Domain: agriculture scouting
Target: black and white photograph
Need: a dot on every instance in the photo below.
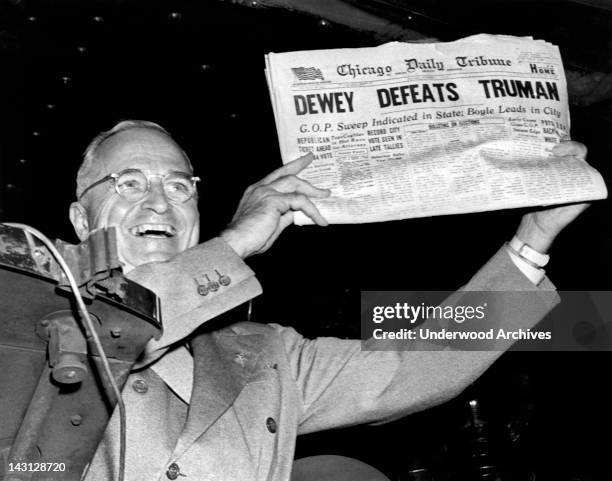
(305, 240)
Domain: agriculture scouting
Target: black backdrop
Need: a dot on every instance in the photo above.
(73, 69)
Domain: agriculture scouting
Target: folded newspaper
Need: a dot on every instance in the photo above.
(412, 130)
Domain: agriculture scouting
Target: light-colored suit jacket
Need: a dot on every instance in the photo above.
(256, 387)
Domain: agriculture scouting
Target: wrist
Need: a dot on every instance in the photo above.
(230, 237)
(532, 235)
(527, 254)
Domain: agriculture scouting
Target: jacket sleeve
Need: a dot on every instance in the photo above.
(343, 383)
(176, 283)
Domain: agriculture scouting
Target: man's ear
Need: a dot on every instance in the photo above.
(78, 217)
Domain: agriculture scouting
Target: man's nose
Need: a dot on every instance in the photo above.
(156, 199)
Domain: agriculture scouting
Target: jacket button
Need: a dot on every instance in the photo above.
(140, 386)
(173, 471)
(225, 280)
(271, 425)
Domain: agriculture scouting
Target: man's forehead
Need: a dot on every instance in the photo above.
(142, 148)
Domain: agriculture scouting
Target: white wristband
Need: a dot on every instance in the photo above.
(528, 253)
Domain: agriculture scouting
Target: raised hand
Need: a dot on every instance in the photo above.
(540, 228)
(267, 208)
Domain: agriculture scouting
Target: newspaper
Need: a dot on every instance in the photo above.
(411, 130)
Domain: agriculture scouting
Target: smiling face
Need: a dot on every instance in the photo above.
(153, 228)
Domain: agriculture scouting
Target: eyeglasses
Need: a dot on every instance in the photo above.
(133, 185)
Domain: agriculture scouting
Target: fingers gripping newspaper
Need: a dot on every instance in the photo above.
(413, 130)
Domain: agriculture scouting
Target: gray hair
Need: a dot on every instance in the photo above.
(92, 168)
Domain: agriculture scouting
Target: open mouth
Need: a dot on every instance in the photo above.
(155, 231)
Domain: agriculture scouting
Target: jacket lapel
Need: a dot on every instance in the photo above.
(223, 365)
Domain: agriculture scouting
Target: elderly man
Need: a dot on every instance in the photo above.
(228, 404)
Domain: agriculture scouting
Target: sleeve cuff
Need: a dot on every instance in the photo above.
(178, 283)
(532, 273)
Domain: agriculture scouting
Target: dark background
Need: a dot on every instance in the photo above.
(72, 69)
